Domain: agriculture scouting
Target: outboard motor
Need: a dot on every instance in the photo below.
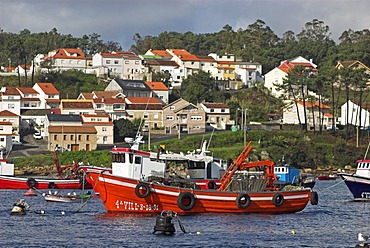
(164, 223)
(20, 207)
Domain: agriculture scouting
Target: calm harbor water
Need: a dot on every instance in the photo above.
(334, 222)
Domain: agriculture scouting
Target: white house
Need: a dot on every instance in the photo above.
(160, 91)
(217, 115)
(125, 65)
(355, 112)
(103, 125)
(62, 59)
(276, 76)
(316, 114)
(48, 94)
(10, 100)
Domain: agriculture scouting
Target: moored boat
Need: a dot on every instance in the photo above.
(74, 181)
(288, 175)
(358, 183)
(68, 198)
(136, 185)
(327, 177)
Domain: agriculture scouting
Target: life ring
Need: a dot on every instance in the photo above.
(142, 187)
(278, 200)
(211, 184)
(186, 201)
(314, 198)
(31, 182)
(51, 185)
(243, 200)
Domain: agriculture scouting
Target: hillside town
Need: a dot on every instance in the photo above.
(87, 121)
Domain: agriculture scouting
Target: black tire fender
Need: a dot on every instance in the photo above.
(31, 182)
(211, 184)
(243, 200)
(186, 196)
(142, 187)
(314, 198)
(278, 199)
(51, 185)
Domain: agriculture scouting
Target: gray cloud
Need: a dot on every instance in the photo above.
(119, 20)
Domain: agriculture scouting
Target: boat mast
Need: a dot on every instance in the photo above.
(367, 150)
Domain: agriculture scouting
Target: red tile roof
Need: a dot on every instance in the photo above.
(157, 86)
(7, 113)
(77, 105)
(67, 53)
(27, 90)
(162, 53)
(215, 105)
(286, 66)
(108, 100)
(11, 91)
(72, 129)
(184, 55)
(48, 88)
(315, 104)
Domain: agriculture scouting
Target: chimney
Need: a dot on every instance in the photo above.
(102, 99)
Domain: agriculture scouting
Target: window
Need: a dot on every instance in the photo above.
(196, 118)
(146, 115)
(107, 61)
(104, 129)
(65, 137)
(127, 62)
(172, 107)
(222, 110)
(105, 138)
(116, 62)
(212, 110)
(136, 62)
(99, 106)
(11, 106)
(79, 137)
(55, 137)
(169, 117)
(155, 115)
(87, 137)
(72, 138)
(137, 160)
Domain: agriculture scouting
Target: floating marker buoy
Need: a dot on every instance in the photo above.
(63, 213)
(293, 232)
(19, 208)
(164, 224)
(198, 233)
(30, 192)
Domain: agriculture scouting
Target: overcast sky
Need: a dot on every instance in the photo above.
(119, 20)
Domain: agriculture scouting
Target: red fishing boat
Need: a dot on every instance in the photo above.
(136, 184)
(75, 180)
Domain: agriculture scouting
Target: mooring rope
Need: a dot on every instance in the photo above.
(332, 186)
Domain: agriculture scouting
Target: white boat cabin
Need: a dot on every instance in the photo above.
(6, 169)
(363, 168)
(137, 164)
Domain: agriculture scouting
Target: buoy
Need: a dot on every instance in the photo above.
(293, 232)
(163, 224)
(19, 208)
(63, 213)
(198, 233)
(30, 192)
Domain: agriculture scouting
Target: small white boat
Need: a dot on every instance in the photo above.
(69, 198)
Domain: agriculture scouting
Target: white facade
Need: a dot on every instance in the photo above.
(354, 112)
(6, 135)
(273, 78)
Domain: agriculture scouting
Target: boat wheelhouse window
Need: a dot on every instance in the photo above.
(197, 165)
(137, 160)
(131, 158)
(118, 157)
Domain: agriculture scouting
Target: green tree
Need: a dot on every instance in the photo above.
(201, 87)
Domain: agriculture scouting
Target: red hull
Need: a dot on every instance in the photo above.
(119, 195)
(7, 182)
(323, 177)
